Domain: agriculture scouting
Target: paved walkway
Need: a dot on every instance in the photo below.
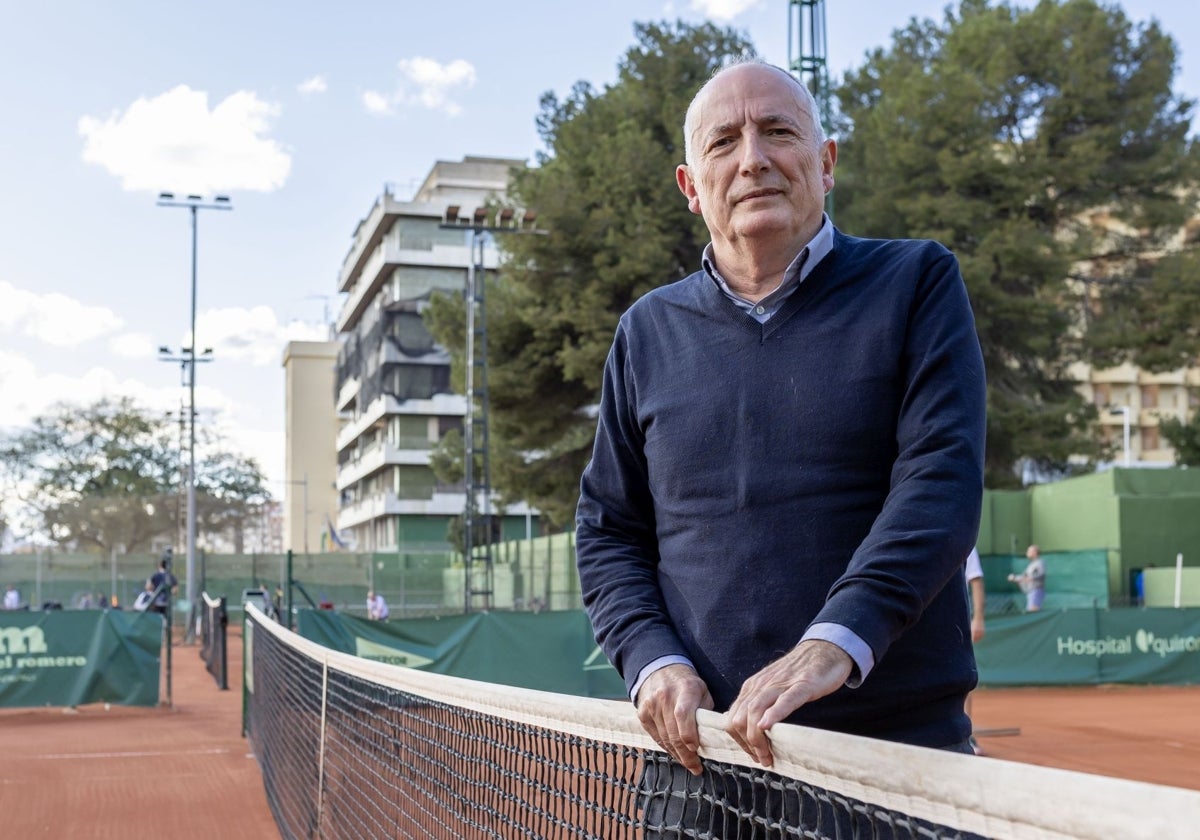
(129, 773)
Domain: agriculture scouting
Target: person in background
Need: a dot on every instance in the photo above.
(12, 598)
(1033, 580)
(973, 569)
(788, 465)
(377, 608)
(164, 583)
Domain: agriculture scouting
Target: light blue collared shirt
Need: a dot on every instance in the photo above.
(797, 271)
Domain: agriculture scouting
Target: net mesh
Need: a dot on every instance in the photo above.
(357, 749)
(214, 622)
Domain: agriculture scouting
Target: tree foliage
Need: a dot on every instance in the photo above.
(616, 227)
(1045, 147)
(1184, 439)
(96, 477)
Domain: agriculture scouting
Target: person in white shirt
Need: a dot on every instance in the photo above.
(974, 573)
(377, 608)
(12, 598)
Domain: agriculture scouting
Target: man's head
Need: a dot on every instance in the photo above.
(1033, 552)
(758, 164)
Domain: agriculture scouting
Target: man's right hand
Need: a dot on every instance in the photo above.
(666, 705)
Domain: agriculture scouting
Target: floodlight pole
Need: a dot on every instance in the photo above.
(193, 203)
(475, 419)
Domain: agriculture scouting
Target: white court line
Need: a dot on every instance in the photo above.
(133, 754)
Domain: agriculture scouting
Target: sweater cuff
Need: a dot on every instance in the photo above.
(655, 665)
(849, 641)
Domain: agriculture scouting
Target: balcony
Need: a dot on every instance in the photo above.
(389, 504)
(377, 456)
(347, 394)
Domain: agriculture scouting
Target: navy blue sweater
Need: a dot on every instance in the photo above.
(751, 479)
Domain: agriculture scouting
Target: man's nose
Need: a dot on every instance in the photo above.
(754, 156)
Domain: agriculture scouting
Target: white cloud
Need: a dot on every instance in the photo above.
(376, 103)
(174, 142)
(53, 318)
(314, 85)
(133, 346)
(723, 10)
(425, 83)
(254, 335)
(29, 392)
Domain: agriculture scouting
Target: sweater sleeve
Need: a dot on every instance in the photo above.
(615, 540)
(930, 518)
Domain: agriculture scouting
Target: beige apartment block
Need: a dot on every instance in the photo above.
(1129, 396)
(310, 466)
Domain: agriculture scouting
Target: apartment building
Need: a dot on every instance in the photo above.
(392, 381)
(310, 463)
(1132, 402)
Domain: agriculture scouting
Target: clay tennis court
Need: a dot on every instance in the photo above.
(186, 772)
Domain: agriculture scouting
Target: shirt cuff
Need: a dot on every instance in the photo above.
(849, 641)
(655, 665)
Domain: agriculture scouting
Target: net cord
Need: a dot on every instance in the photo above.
(991, 797)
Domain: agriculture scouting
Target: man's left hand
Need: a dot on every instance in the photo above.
(809, 671)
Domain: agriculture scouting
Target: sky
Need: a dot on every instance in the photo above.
(301, 112)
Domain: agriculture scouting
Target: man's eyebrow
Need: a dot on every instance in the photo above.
(767, 119)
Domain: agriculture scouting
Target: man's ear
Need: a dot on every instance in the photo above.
(683, 177)
(828, 161)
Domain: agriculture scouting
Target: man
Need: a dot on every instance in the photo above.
(162, 583)
(1033, 580)
(377, 608)
(12, 598)
(788, 462)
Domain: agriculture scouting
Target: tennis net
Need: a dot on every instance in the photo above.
(214, 621)
(351, 748)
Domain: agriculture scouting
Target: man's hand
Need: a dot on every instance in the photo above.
(977, 628)
(666, 706)
(809, 671)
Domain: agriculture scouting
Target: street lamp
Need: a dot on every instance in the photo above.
(187, 358)
(1123, 410)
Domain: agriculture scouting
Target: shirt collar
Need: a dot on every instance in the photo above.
(798, 269)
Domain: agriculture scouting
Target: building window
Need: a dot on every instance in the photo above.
(1101, 394)
(1149, 438)
(1149, 396)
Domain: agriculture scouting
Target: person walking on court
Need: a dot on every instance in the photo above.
(788, 464)
(1033, 580)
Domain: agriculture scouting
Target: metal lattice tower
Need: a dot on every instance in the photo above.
(808, 59)
(478, 519)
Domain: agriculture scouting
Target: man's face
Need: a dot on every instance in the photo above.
(758, 172)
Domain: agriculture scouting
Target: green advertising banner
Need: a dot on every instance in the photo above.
(549, 651)
(70, 658)
(1091, 646)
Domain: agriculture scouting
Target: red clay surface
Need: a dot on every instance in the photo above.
(1148, 733)
(128, 773)
(186, 772)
